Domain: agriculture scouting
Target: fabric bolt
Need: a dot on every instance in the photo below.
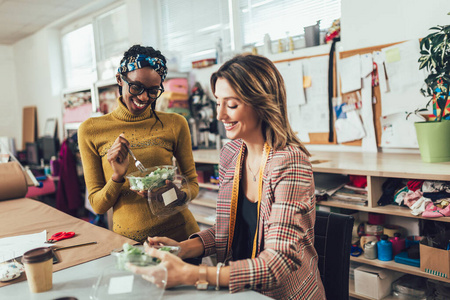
(400, 195)
(390, 187)
(419, 206)
(435, 186)
(414, 185)
(358, 180)
(153, 144)
(287, 266)
(432, 211)
(411, 197)
(437, 195)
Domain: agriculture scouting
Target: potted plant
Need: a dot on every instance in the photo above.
(434, 134)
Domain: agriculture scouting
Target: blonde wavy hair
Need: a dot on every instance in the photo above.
(259, 84)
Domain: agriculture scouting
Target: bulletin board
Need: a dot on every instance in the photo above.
(376, 107)
(316, 137)
(323, 137)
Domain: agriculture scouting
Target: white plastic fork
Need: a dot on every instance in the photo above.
(137, 163)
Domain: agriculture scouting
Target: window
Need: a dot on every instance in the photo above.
(79, 57)
(111, 39)
(280, 18)
(192, 28)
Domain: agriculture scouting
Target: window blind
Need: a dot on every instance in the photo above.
(282, 18)
(192, 28)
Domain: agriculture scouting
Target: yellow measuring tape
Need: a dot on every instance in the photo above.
(235, 196)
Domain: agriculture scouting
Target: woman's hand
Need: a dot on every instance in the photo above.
(178, 272)
(159, 241)
(118, 158)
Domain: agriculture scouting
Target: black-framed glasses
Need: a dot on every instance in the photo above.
(137, 89)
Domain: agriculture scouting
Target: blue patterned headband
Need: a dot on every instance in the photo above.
(133, 63)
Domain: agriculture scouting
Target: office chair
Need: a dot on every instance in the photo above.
(332, 240)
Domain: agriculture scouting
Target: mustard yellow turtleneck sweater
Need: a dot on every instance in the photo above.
(153, 144)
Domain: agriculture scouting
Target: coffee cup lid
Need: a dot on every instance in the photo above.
(37, 255)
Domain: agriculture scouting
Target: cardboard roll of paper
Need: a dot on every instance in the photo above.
(13, 183)
(355, 232)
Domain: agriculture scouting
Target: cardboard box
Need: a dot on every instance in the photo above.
(434, 260)
(374, 282)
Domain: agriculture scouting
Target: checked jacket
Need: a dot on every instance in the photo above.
(287, 266)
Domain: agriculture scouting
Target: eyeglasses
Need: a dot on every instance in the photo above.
(137, 89)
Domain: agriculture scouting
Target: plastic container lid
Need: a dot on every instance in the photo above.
(37, 255)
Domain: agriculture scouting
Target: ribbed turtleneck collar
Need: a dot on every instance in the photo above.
(122, 113)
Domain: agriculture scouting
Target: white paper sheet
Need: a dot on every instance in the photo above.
(314, 114)
(15, 246)
(402, 91)
(350, 71)
(397, 132)
(349, 126)
(292, 73)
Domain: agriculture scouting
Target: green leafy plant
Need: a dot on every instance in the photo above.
(435, 58)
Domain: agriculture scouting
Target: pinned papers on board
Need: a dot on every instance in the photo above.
(350, 71)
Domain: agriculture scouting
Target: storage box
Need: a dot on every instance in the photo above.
(434, 260)
(374, 282)
(177, 85)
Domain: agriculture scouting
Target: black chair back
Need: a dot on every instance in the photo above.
(332, 240)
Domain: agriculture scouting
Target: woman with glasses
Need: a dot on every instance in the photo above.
(264, 231)
(154, 138)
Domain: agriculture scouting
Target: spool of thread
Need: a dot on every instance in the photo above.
(390, 230)
(371, 229)
(376, 219)
(368, 238)
(370, 250)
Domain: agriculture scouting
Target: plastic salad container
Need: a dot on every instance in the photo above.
(152, 177)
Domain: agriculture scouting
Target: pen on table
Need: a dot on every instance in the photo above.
(78, 245)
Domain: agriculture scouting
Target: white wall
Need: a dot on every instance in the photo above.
(10, 109)
(366, 23)
(39, 76)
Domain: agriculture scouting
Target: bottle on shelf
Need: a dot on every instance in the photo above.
(398, 243)
(384, 247)
(370, 250)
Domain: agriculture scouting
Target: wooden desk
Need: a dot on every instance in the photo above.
(26, 216)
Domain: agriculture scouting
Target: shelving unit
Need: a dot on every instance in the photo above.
(378, 167)
(204, 208)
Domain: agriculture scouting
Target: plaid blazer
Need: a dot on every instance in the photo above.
(287, 266)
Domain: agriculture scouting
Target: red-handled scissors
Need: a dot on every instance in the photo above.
(61, 236)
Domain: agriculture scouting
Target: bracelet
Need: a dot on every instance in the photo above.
(219, 265)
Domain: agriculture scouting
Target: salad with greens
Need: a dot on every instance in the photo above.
(136, 255)
(152, 178)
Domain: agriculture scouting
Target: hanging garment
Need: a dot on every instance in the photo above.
(68, 194)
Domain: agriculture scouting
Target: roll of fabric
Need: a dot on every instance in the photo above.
(13, 183)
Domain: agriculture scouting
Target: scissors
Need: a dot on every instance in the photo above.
(60, 236)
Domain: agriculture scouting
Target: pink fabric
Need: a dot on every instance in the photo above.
(411, 197)
(431, 211)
